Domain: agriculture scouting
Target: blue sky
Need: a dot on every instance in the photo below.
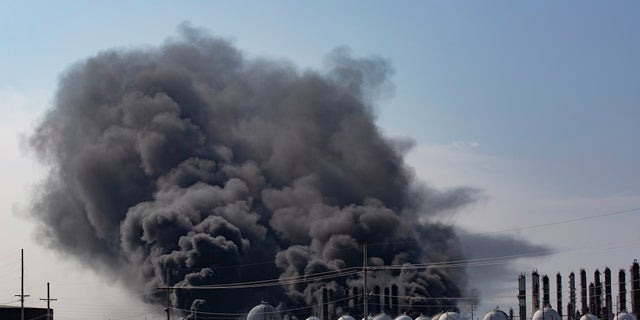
(554, 83)
(537, 103)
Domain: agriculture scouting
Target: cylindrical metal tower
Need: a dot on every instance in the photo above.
(355, 301)
(571, 309)
(607, 295)
(622, 291)
(592, 298)
(546, 301)
(376, 300)
(386, 302)
(535, 291)
(522, 297)
(597, 294)
(394, 299)
(559, 293)
(635, 288)
(583, 292)
(324, 307)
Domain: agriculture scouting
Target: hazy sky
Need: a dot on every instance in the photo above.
(536, 103)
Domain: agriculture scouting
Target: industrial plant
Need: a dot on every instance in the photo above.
(597, 301)
(596, 298)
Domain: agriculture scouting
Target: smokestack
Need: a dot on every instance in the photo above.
(559, 293)
(376, 303)
(535, 291)
(607, 295)
(386, 303)
(571, 309)
(622, 291)
(325, 305)
(394, 299)
(592, 299)
(522, 297)
(334, 305)
(598, 294)
(583, 292)
(546, 300)
(635, 288)
(355, 301)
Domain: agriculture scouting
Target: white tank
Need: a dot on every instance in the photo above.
(624, 315)
(496, 314)
(546, 314)
(450, 316)
(263, 311)
(382, 316)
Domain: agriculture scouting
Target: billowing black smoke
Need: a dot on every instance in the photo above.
(189, 164)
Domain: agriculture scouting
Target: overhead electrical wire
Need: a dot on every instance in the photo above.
(356, 270)
(276, 282)
(448, 264)
(566, 221)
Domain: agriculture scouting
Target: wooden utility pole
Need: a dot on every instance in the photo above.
(48, 299)
(22, 295)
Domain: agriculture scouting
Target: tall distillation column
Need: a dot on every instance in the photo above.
(598, 294)
(546, 301)
(635, 288)
(583, 292)
(559, 293)
(608, 299)
(571, 310)
(522, 297)
(622, 291)
(535, 291)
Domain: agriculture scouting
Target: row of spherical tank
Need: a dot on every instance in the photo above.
(384, 316)
(264, 311)
(548, 313)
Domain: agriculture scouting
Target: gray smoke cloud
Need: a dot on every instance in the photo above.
(189, 164)
(493, 278)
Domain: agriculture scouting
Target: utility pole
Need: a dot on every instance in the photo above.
(48, 299)
(364, 291)
(22, 295)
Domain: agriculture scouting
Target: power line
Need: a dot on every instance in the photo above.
(565, 221)
(355, 270)
(434, 264)
(274, 282)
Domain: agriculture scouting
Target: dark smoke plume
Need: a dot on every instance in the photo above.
(189, 164)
